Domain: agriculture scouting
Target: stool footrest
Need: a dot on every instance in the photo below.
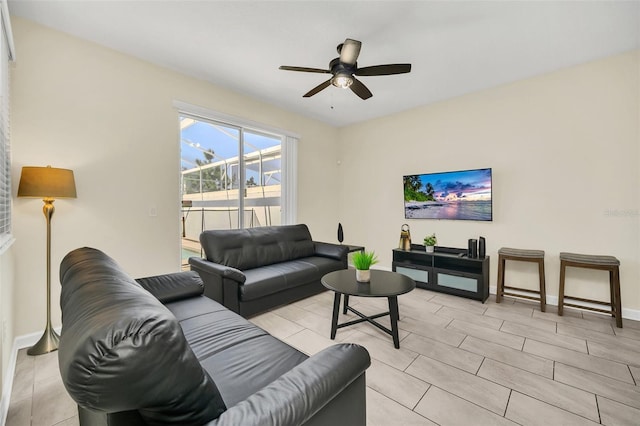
(579, 299)
(524, 296)
(604, 311)
(522, 289)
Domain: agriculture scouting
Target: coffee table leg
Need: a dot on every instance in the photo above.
(334, 319)
(394, 315)
(346, 304)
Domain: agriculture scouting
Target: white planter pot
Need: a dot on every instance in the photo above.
(363, 276)
(429, 249)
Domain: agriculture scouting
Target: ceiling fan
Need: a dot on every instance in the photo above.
(345, 68)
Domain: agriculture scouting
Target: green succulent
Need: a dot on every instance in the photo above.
(430, 240)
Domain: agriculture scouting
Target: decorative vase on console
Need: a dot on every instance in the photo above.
(362, 261)
(429, 242)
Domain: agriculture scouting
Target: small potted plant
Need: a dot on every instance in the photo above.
(362, 261)
(429, 242)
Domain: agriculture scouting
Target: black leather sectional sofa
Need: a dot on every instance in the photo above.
(253, 270)
(155, 351)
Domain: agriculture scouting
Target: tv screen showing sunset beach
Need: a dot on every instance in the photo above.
(461, 195)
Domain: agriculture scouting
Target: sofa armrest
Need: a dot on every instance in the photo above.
(298, 395)
(221, 283)
(171, 287)
(218, 269)
(334, 251)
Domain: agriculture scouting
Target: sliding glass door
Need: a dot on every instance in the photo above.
(231, 178)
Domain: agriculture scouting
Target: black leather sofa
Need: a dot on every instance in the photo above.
(253, 270)
(155, 351)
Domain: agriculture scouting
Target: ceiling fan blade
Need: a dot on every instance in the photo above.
(316, 89)
(304, 69)
(360, 89)
(389, 69)
(349, 51)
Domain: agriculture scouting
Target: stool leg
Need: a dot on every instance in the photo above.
(561, 290)
(543, 291)
(614, 276)
(500, 284)
(612, 293)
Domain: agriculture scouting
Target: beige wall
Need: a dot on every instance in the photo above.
(564, 148)
(110, 118)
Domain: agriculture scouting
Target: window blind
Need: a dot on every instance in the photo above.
(6, 54)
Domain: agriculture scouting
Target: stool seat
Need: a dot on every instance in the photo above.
(514, 252)
(590, 259)
(521, 255)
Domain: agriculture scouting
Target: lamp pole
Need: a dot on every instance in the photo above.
(49, 340)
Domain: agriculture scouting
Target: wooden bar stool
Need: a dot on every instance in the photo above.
(536, 256)
(605, 263)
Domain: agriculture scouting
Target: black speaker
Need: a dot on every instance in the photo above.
(472, 251)
(482, 248)
(340, 233)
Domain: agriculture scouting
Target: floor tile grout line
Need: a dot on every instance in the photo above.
(598, 408)
(480, 366)
(421, 398)
(596, 395)
(560, 408)
(635, 382)
(597, 374)
(506, 407)
(617, 402)
(546, 402)
(473, 403)
(401, 404)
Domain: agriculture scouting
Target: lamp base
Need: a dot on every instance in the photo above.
(47, 343)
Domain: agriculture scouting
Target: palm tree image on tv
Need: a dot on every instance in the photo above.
(459, 195)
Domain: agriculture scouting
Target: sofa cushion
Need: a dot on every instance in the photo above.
(220, 339)
(254, 247)
(272, 279)
(121, 349)
(171, 287)
(322, 265)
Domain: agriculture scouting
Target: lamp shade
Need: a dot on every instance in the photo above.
(46, 182)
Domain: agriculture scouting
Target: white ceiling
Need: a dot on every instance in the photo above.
(455, 47)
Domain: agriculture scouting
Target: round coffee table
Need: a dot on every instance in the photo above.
(383, 284)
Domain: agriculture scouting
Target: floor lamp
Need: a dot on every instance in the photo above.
(47, 183)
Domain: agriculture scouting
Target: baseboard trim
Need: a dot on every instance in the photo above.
(19, 342)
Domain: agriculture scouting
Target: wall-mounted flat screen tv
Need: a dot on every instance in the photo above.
(460, 195)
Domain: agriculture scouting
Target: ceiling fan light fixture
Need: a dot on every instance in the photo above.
(342, 80)
(344, 69)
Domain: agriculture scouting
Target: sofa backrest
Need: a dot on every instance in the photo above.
(122, 350)
(254, 247)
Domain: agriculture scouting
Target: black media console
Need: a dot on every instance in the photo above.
(447, 270)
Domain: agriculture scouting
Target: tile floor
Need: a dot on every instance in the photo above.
(460, 362)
